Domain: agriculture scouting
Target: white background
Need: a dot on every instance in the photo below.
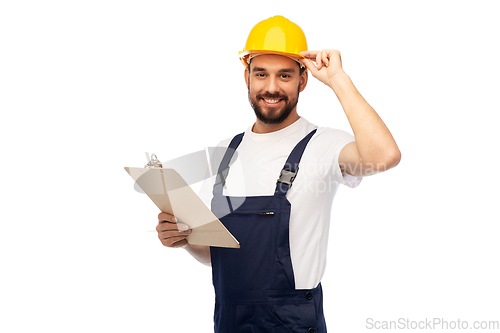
(87, 87)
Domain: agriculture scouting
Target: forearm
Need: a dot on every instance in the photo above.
(200, 253)
(375, 144)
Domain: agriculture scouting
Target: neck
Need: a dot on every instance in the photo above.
(261, 128)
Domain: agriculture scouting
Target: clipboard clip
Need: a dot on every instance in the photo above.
(153, 162)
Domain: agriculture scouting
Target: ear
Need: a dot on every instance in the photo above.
(303, 80)
(247, 74)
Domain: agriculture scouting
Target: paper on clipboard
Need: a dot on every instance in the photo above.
(171, 194)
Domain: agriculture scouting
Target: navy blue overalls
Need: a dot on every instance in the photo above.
(254, 285)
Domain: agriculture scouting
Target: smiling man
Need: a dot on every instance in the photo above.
(275, 90)
(272, 283)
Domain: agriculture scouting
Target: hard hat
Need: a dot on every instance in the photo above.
(276, 35)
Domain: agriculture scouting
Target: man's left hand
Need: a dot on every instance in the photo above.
(327, 64)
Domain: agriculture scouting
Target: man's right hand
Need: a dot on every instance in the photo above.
(171, 232)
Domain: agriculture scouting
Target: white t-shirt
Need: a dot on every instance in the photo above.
(256, 168)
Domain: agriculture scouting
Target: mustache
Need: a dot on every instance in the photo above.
(272, 96)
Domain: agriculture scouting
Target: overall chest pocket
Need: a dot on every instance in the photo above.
(252, 228)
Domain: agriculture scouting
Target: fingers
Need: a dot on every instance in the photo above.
(314, 69)
(321, 58)
(171, 232)
(309, 65)
(325, 58)
(319, 64)
(170, 236)
(311, 55)
(171, 226)
(166, 217)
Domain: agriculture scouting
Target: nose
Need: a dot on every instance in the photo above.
(272, 85)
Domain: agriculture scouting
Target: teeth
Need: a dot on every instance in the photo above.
(272, 101)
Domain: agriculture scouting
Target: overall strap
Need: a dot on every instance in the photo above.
(289, 171)
(223, 171)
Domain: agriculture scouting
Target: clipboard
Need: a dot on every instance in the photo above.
(172, 195)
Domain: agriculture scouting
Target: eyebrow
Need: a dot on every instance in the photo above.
(284, 70)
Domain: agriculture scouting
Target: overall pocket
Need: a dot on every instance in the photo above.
(258, 318)
(296, 317)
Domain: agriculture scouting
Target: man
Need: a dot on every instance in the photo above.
(272, 283)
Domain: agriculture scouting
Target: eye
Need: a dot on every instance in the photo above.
(285, 76)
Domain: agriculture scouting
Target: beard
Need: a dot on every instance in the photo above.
(273, 115)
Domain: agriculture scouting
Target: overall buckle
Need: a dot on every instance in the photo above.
(287, 177)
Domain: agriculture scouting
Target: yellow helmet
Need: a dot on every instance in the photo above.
(276, 35)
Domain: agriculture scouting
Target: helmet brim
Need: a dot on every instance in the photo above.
(245, 56)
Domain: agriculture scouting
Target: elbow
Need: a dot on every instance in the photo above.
(392, 158)
(388, 160)
(385, 160)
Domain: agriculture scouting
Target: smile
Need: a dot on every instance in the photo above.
(272, 102)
